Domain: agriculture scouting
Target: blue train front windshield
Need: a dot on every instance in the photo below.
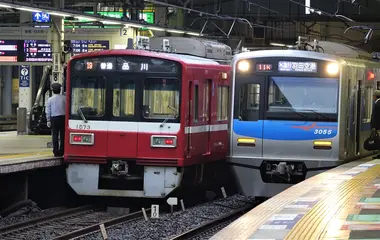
(286, 108)
(302, 95)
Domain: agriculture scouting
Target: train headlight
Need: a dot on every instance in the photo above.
(332, 68)
(163, 141)
(81, 138)
(243, 66)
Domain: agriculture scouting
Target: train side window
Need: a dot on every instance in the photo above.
(250, 102)
(206, 100)
(368, 104)
(223, 96)
(196, 103)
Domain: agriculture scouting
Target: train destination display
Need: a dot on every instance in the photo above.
(83, 46)
(127, 64)
(285, 66)
(37, 51)
(8, 50)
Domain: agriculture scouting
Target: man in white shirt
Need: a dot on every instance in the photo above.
(55, 116)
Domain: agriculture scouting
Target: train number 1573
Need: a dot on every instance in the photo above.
(83, 127)
(322, 131)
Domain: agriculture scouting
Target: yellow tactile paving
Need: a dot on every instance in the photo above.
(23, 155)
(251, 221)
(313, 225)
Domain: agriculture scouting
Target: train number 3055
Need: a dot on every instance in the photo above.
(322, 131)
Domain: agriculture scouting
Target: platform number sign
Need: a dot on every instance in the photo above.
(24, 76)
(123, 32)
(155, 213)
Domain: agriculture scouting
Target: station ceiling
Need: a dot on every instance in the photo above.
(363, 10)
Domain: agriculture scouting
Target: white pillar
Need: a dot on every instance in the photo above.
(25, 87)
(25, 79)
(56, 36)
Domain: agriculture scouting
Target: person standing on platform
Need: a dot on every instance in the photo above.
(55, 116)
(375, 118)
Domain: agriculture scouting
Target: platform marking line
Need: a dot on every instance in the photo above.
(30, 154)
(323, 212)
(260, 214)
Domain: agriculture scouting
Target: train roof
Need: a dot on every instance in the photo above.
(199, 47)
(187, 59)
(332, 52)
(286, 53)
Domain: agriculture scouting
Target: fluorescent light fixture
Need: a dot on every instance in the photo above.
(5, 6)
(128, 25)
(156, 29)
(175, 31)
(28, 9)
(193, 33)
(307, 7)
(85, 18)
(277, 44)
(110, 22)
(59, 14)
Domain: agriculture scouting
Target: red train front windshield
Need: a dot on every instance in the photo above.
(125, 88)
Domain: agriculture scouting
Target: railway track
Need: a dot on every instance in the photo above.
(208, 229)
(55, 225)
(196, 223)
(8, 123)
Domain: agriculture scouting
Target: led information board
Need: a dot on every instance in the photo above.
(83, 46)
(37, 51)
(260, 67)
(8, 50)
(127, 64)
(285, 66)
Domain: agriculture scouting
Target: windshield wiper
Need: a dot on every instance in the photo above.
(301, 114)
(175, 110)
(82, 114)
(318, 113)
(167, 118)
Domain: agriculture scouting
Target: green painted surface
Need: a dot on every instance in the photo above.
(364, 218)
(369, 200)
(147, 16)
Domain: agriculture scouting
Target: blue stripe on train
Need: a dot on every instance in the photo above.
(286, 130)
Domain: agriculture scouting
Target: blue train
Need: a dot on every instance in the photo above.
(297, 113)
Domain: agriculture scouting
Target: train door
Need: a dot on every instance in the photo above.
(247, 138)
(207, 113)
(196, 129)
(188, 119)
(358, 116)
(123, 127)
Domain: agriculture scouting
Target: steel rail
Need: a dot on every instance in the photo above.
(96, 227)
(213, 223)
(29, 223)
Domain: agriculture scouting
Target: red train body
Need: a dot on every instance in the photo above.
(139, 122)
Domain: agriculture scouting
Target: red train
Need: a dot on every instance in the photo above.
(141, 123)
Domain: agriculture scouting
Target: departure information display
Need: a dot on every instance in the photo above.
(37, 51)
(83, 46)
(284, 66)
(8, 50)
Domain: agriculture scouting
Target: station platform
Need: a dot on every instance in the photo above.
(26, 152)
(342, 203)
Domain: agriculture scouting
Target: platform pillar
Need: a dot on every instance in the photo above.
(25, 87)
(56, 38)
(25, 76)
(7, 90)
